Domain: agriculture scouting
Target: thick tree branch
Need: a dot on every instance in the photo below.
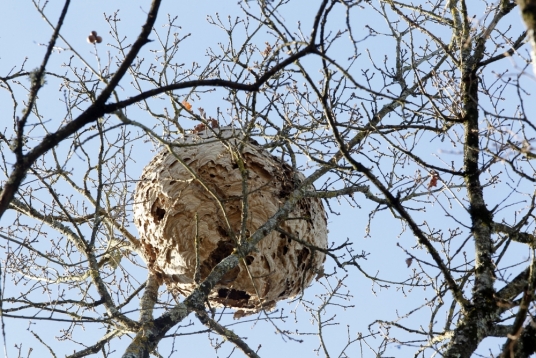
(517, 327)
(515, 234)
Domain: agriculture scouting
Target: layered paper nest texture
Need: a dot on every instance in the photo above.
(172, 209)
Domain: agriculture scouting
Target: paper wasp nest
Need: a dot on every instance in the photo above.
(171, 207)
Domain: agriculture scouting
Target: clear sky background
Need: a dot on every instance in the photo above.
(23, 38)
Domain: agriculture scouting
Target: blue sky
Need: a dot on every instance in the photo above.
(25, 34)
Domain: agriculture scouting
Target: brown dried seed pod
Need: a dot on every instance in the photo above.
(99, 39)
(168, 200)
(91, 39)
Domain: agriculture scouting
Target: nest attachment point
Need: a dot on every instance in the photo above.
(173, 211)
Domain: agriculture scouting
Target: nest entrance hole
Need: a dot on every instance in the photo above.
(157, 211)
(233, 294)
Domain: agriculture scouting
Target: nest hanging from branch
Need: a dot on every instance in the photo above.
(173, 211)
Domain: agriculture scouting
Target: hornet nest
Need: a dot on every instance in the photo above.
(173, 211)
